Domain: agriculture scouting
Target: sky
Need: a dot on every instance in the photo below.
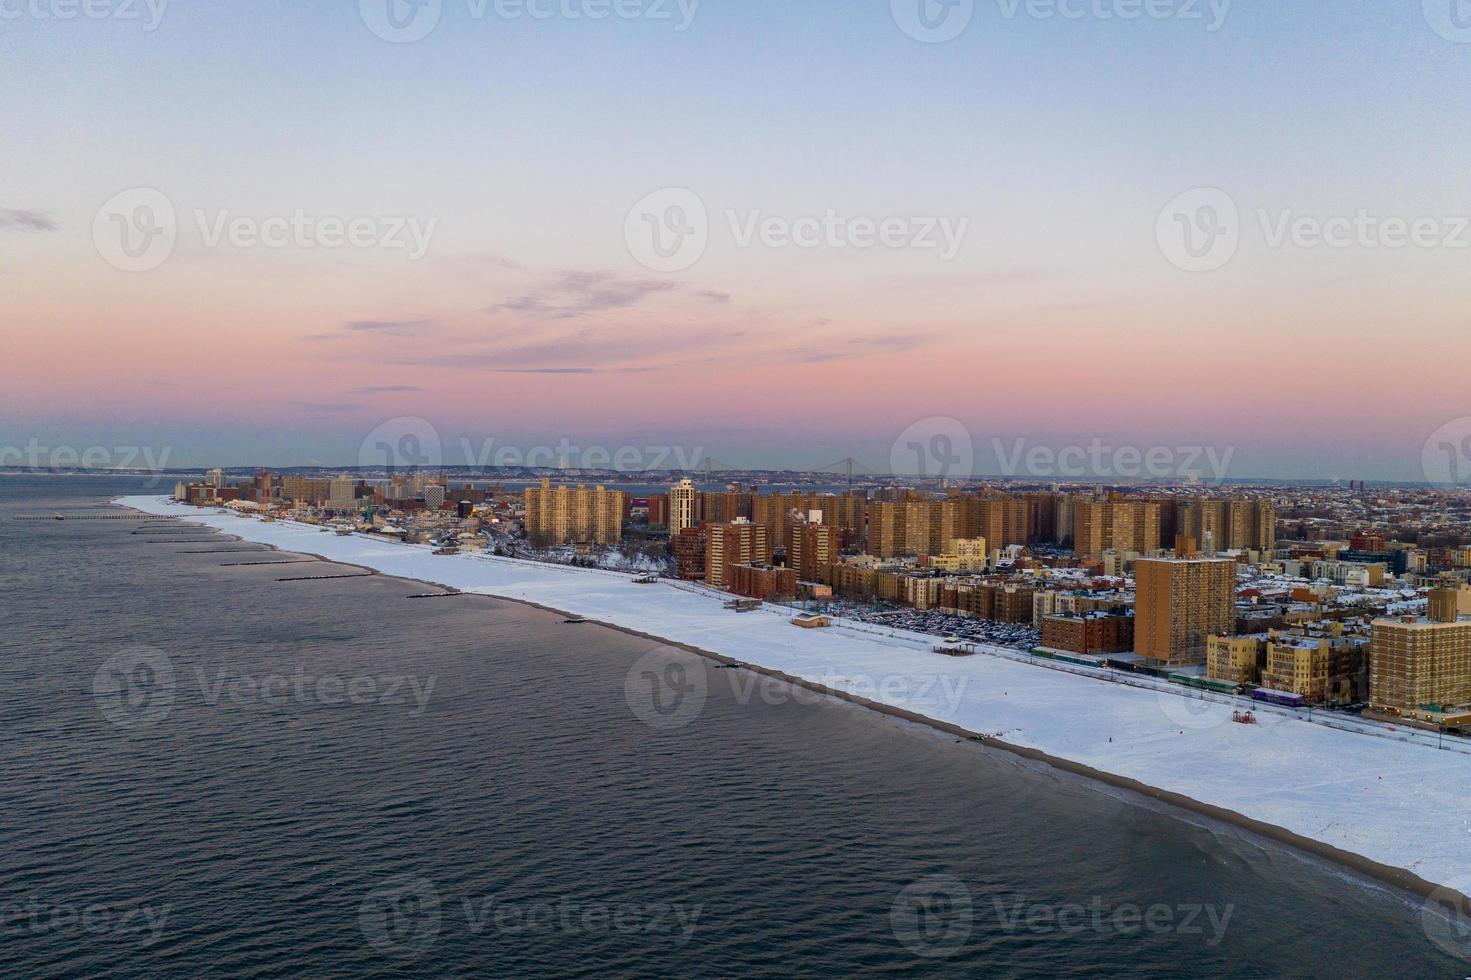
(765, 232)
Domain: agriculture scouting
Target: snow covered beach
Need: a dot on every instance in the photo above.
(1378, 803)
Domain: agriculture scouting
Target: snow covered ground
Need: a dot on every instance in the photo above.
(1395, 800)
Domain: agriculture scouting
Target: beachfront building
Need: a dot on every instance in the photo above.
(1235, 659)
(1180, 603)
(565, 515)
(738, 542)
(1422, 663)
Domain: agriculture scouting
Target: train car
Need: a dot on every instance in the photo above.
(1268, 696)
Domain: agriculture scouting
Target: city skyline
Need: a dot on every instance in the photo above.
(500, 287)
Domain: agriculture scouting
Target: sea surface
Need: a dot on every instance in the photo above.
(208, 771)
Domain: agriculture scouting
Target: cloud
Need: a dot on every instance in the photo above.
(395, 327)
(323, 408)
(385, 389)
(161, 384)
(576, 293)
(377, 328)
(714, 296)
(27, 220)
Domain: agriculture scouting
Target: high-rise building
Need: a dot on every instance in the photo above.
(810, 546)
(564, 515)
(1420, 664)
(343, 494)
(1230, 525)
(738, 542)
(1179, 603)
(215, 478)
(1115, 525)
(684, 509)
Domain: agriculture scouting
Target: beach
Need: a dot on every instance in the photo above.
(1387, 808)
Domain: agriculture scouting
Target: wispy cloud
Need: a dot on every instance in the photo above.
(396, 327)
(27, 220)
(386, 389)
(577, 293)
(323, 408)
(376, 328)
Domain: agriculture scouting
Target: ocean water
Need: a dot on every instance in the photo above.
(205, 770)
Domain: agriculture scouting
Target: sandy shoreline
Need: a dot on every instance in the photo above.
(1395, 877)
